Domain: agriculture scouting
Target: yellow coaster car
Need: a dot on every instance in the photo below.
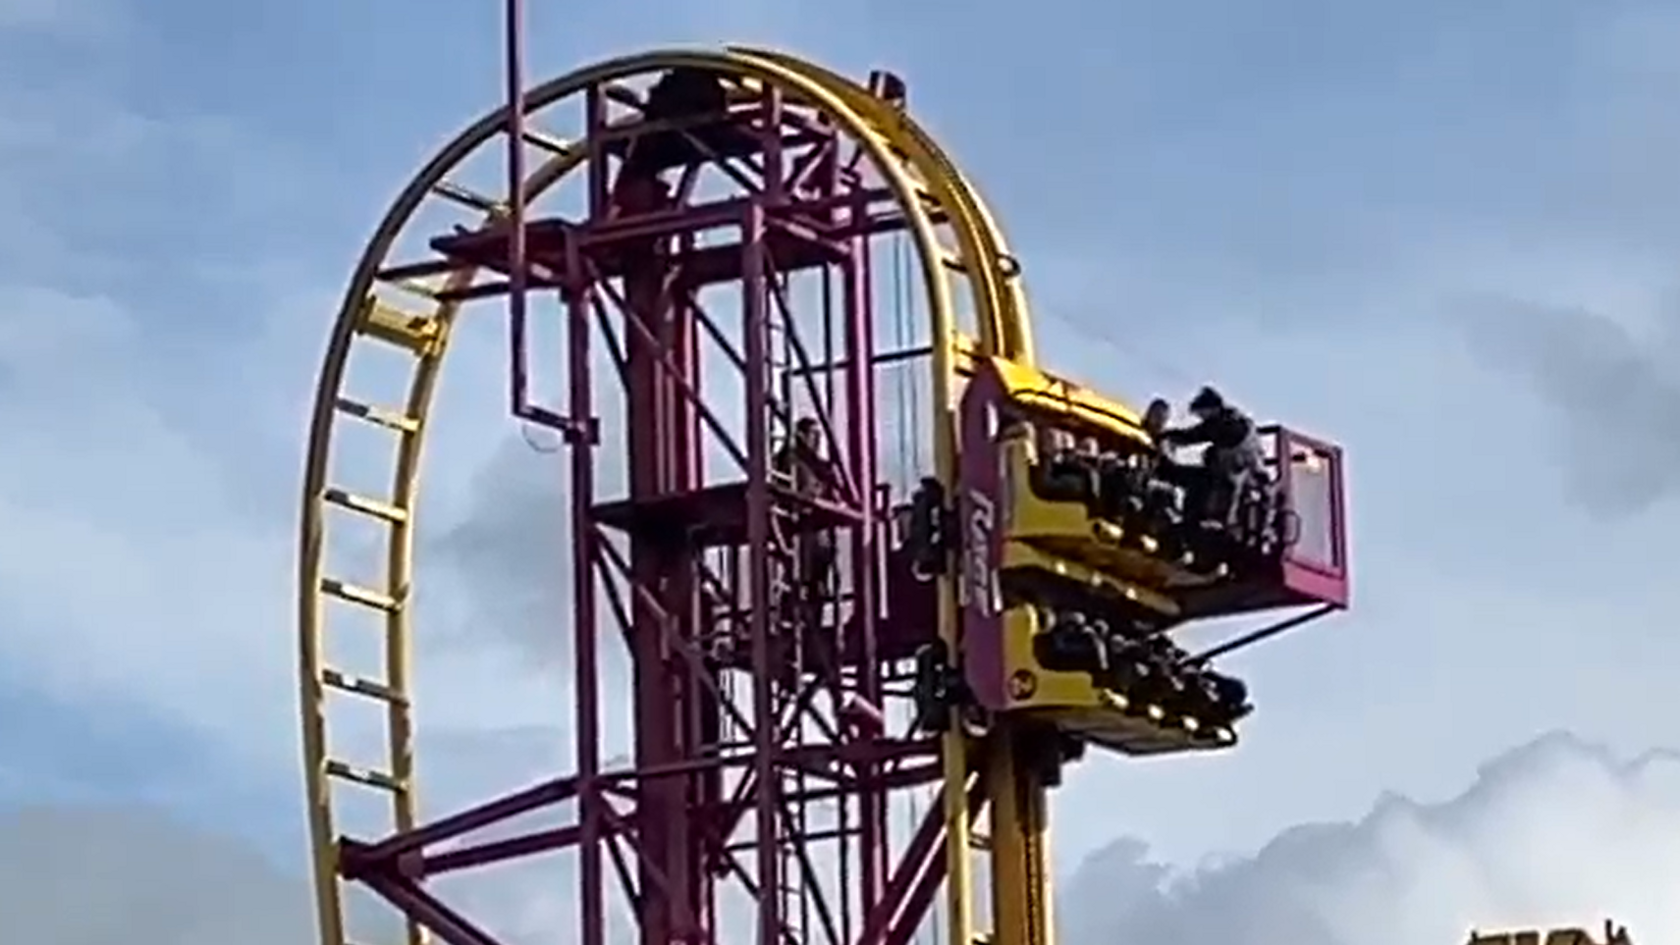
(1113, 692)
(1044, 509)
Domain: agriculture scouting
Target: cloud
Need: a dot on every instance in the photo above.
(1613, 388)
(70, 19)
(93, 876)
(510, 552)
(144, 379)
(1556, 833)
(139, 554)
(153, 358)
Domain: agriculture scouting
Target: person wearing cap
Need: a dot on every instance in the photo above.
(1230, 461)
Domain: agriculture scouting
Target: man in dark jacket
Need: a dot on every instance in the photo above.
(801, 464)
(801, 459)
(1230, 462)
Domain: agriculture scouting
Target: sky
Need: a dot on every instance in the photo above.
(1438, 233)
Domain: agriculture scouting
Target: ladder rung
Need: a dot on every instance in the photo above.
(468, 198)
(415, 333)
(623, 95)
(367, 776)
(379, 416)
(414, 287)
(402, 272)
(352, 502)
(547, 142)
(744, 84)
(357, 685)
(356, 594)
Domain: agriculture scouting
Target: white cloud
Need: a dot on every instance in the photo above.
(82, 876)
(152, 413)
(81, 19)
(141, 578)
(1615, 391)
(1557, 833)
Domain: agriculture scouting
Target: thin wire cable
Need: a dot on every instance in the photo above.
(904, 381)
(906, 308)
(1129, 349)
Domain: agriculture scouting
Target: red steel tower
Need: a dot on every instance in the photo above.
(738, 500)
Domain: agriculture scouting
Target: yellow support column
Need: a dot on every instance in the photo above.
(1020, 842)
(959, 878)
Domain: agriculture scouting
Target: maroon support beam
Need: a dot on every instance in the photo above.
(659, 422)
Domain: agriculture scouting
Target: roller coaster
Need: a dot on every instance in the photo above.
(854, 542)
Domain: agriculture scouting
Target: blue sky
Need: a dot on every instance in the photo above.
(1441, 233)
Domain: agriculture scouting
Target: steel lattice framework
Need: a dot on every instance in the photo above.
(766, 744)
(815, 627)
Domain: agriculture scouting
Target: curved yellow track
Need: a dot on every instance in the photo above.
(926, 183)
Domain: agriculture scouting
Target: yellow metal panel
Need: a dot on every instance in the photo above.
(1067, 530)
(419, 334)
(1036, 390)
(1049, 688)
(1020, 554)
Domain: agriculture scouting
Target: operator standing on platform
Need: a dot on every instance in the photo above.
(801, 463)
(1232, 458)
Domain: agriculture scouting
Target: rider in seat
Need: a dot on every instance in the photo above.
(1159, 503)
(1132, 485)
(1065, 472)
(1156, 417)
(1230, 464)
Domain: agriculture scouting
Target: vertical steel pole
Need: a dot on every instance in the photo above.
(584, 630)
(766, 734)
(514, 53)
